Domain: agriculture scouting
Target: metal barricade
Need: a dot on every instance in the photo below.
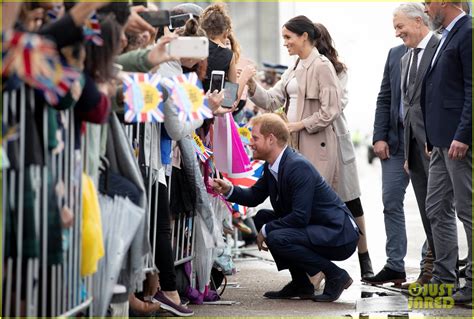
(183, 235)
(182, 226)
(34, 285)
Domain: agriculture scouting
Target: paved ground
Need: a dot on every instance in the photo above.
(255, 276)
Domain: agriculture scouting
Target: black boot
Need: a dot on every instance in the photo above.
(365, 265)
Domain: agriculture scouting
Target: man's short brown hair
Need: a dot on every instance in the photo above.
(272, 124)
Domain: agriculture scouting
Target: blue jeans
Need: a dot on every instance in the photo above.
(394, 184)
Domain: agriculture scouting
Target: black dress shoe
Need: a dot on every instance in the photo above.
(291, 291)
(365, 265)
(334, 288)
(387, 275)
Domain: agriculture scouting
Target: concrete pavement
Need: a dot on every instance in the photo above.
(255, 276)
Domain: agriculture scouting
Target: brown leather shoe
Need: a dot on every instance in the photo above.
(422, 279)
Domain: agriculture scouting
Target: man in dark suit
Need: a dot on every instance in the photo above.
(411, 25)
(389, 147)
(447, 110)
(309, 226)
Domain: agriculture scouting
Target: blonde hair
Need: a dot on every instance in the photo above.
(235, 46)
(271, 123)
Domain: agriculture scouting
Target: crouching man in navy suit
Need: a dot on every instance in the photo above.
(309, 225)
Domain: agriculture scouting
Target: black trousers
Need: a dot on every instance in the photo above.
(163, 250)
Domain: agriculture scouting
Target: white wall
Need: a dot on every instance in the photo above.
(363, 34)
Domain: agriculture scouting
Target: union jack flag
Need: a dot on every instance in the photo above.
(35, 61)
(250, 178)
(91, 30)
(188, 96)
(143, 97)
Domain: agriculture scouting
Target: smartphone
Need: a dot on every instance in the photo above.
(179, 20)
(156, 19)
(217, 81)
(189, 47)
(230, 94)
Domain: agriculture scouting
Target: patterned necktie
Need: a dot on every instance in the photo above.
(413, 69)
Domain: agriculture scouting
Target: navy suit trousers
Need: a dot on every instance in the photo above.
(292, 249)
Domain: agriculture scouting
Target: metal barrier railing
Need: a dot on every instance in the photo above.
(34, 285)
(183, 235)
(182, 226)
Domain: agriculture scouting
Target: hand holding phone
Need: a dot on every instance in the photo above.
(179, 20)
(189, 47)
(217, 81)
(156, 19)
(230, 94)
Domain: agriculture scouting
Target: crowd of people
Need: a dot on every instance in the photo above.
(422, 133)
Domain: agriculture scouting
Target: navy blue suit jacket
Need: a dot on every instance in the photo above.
(446, 98)
(301, 199)
(386, 124)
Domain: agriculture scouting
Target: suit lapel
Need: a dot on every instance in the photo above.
(404, 65)
(281, 168)
(425, 63)
(449, 38)
(398, 79)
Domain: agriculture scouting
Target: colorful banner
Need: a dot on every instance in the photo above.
(34, 60)
(91, 30)
(188, 96)
(143, 98)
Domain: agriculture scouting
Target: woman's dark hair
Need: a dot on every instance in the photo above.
(302, 24)
(325, 46)
(99, 59)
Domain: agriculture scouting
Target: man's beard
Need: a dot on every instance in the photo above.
(259, 155)
(256, 156)
(437, 22)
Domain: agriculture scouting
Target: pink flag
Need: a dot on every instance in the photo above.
(229, 154)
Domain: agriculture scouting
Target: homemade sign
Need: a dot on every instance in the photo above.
(188, 96)
(143, 98)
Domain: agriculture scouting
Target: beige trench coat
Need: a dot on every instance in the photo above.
(348, 187)
(318, 105)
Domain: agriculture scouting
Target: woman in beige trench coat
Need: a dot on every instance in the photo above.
(313, 99)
